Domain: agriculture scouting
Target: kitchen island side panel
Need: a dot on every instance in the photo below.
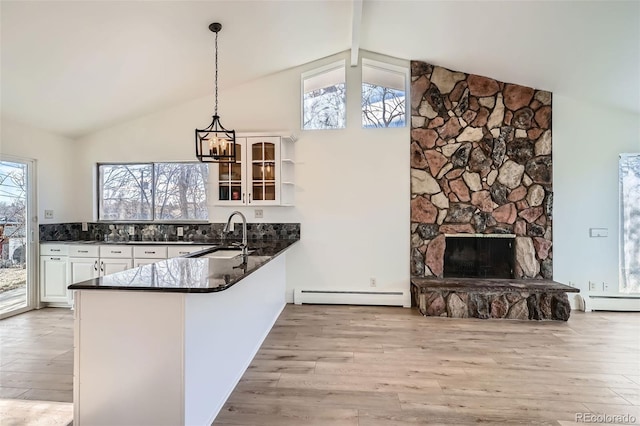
(129, 358)
(224, 331)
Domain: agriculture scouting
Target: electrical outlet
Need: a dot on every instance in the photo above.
(592, 286)
(132, 230)
(85, 226)
(605, 286)
(180, 231)
(48, 214)
(259, 214)
(372, 282)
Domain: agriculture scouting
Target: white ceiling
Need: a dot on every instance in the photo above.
(73, 67)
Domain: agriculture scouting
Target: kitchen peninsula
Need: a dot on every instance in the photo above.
(166, 343)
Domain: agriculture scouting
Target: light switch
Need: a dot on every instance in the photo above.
(48, 214)
(598, 232)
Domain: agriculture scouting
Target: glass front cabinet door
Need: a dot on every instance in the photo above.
(255, 178)
(231, 177)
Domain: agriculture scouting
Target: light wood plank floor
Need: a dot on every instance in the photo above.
(347, 365)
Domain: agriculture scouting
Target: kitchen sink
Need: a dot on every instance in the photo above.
(226, 253)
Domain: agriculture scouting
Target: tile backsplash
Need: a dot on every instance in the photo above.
(164, 231)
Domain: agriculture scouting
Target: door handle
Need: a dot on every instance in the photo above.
(95, 266)
(243, 198)
(249, 198)
(101, 266)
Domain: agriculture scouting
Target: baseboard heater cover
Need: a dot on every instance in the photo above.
(350, 297)
(613, 303)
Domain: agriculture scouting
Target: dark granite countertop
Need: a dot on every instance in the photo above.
(199, 272)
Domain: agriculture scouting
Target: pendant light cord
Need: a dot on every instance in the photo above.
(216, 80)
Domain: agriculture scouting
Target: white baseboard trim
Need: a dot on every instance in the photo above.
(351, 297)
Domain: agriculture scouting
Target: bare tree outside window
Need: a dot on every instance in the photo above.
(180, 191)
(153, 191)
(13, 236)
(325, 108)
(630, 223)
(126, 191)
(382, 106)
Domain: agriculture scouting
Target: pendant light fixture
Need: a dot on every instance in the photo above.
(215, 144)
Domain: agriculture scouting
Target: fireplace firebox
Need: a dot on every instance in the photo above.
(479, 257)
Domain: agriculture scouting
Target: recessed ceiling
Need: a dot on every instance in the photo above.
(74, 67)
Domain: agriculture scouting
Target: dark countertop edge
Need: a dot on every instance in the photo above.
(159, 243)
(184, 289)
(494, 284)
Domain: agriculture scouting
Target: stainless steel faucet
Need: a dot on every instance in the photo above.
(244, 230)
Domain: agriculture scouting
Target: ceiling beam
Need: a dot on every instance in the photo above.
(356, 20)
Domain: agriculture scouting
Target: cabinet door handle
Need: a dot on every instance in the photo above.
(116, 251)
(149, 252)
(83, 251)
(55, 250)
(249, 198)
(101, 266)
(55, 258)
(95, 266)
(243, 198)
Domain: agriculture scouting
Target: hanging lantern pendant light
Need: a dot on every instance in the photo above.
(215, 144)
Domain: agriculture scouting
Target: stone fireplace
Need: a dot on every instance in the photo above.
(480, 165)
(481, 198)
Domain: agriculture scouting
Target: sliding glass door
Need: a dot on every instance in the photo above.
(17, 255)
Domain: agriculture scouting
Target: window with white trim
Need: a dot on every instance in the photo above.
(384, 87)
(630, 223)
(152, 191)
(324, 97)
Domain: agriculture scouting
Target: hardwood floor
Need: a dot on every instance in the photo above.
(365, 366)
(36, 368)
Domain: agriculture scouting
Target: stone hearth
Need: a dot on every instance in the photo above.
(508, 299)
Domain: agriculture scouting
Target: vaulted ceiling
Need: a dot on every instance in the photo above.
(72, 67)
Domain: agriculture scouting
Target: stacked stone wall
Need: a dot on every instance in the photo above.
(480, 164)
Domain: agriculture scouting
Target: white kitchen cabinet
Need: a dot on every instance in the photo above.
(83, 265)
(53, 279)
(65, 264)
(83, 262)
(115, 258)
(111, 266)
(177, 251)
(144, 255)
(262, 175)
(53, 273)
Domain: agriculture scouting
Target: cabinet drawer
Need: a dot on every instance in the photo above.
(177, 251)
(84, 251)
(116, 251)
(150, 252)
(54, 249)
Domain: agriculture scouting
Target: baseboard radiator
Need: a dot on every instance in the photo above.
(350, 297)
(612, 303)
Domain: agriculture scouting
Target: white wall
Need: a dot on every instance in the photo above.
(587, 139)
(352, 197)
(353, 185)
(54, 167)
